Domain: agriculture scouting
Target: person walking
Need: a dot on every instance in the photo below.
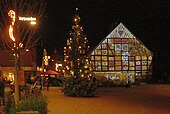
(41, 83)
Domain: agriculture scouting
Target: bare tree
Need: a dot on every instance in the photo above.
(16, 32)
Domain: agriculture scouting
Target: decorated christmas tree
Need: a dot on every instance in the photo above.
(78, 78)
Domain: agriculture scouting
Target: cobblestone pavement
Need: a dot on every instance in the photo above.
(142, 99)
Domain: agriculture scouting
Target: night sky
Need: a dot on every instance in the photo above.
(148, 20)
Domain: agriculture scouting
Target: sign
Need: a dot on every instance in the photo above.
(27, 18)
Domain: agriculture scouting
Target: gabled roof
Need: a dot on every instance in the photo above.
(120, 32)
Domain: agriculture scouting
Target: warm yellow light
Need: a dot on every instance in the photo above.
(75, 19)
(20, 45)
(11, 14)
(33, 23)
(11, 33)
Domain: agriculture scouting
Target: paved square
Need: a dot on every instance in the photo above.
(142, 99)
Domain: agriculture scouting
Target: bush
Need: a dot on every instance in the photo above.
(33, 104)
(9, 104)
(78, 87)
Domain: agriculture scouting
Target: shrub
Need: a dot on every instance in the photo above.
(32, 101)
(33, 104)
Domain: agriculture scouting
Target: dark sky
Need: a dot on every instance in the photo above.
(148, 20)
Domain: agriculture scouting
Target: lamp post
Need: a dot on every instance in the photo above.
(17, 46)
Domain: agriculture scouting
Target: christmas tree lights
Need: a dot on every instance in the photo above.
(78, 69)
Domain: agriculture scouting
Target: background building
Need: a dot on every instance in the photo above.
(120, 56)
(27, 63)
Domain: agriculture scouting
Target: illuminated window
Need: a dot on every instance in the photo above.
(117, 41)
(125, 67)
(138, 67)
(144, 57)
(117, 57)
(92, 57)
(131, 63)
(104, 57)
(144, 62)
(144, 67)
(138, 57)
(118, 68)
(118, 62)
(111, 63)
(104, 63)
(124, 62)
(104, 68)
(111, 58)
(104, 46)
(98, 68)
(124, 41)
(131, 68)
(97, 57)
(104, 52)
(111, 68)
(98, 63)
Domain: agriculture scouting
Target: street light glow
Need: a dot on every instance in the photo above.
(33, 23)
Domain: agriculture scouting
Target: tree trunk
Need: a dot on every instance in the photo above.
(16, 94)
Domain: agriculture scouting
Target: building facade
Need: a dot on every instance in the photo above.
(27, 63)
(121, 56)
